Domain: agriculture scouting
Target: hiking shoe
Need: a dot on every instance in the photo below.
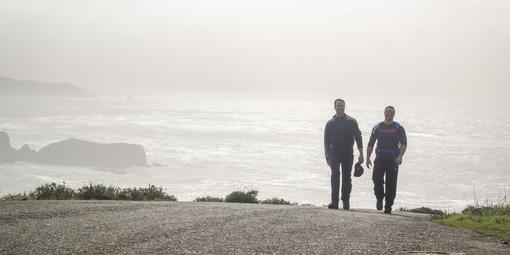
(378, 205)
(333, 206)
(346, 205)
(387, 209)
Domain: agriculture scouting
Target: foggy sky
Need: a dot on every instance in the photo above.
(413, 47)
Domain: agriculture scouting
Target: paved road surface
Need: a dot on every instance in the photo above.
(124, 227)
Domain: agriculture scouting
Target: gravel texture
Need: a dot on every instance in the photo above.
(126, 227)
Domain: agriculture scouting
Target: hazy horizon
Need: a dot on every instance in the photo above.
(413, 48)
(229, 94)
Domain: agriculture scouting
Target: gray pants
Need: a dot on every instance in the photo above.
(346, 163)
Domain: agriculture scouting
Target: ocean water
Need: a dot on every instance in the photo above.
(200, 145)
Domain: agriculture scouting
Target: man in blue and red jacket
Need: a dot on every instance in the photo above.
(339, 135)
(391, 146)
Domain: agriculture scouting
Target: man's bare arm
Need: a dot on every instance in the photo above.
(403, 148)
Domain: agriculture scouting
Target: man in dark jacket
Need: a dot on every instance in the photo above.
(339, 136)
(391, 146)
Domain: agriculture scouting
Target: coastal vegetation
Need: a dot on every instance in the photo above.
(492, 219)
(425, 210)
(488, 219)
(244, 197)
(55, 191)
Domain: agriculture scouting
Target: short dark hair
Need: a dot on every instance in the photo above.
(389, 106)
(338, 100)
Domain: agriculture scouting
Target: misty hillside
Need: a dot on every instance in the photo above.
(11, 87)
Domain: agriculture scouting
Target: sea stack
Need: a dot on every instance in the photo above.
(74, 152)
(84, 153)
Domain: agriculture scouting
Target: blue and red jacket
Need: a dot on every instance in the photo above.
(389, 139)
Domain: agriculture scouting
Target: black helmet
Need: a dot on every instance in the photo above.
(358, 170)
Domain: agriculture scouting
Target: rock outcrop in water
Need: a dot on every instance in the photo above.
(84, 153)
(26, 154)
(7, 153)
(74, 152)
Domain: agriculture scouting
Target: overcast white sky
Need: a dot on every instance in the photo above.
(413, 47)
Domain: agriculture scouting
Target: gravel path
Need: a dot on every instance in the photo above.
(123, 227)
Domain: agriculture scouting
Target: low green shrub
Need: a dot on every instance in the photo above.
(242, 197)
(97, 192)
(53, 191)
(144, 194)
(487, 210)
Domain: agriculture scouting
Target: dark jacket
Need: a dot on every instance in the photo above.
(339, 136)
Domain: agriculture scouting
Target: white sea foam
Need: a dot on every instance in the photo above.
(212, 146)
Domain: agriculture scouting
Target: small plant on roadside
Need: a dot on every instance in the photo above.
(208, 199)
(277, 201)
(425, 210)
(16, 197)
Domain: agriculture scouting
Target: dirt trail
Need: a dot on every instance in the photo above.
(123, 227)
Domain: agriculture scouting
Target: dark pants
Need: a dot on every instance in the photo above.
(346, 163)
(388, 167)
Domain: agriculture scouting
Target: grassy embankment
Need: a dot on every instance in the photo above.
(489, 219)
(492, 220)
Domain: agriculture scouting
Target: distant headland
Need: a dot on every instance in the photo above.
(12, 87)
